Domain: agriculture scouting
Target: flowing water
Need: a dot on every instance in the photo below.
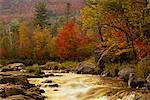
(86, 87)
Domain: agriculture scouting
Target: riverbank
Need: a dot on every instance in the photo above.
(60, 83)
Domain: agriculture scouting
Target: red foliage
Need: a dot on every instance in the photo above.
(69, 40)
(143, 49)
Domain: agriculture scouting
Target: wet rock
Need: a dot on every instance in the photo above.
(86, 68)
(6, 79)
(105, 74)
(35, 93)
(124, 73)
(51, 66)
(53, 85)
(18, 66)
(20, 97)
(21, 80)
(13, 91)
(132, 81)
(17, 80)
(140, 82)
(42, 91)
(135, 82)
(6, 68)
(47, 81)
(2, 93)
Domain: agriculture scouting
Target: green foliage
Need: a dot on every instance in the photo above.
(111, 67)
(35, 69)
(41, 15)
(143, 67)
(69, 64)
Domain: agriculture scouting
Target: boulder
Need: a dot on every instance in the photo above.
(124, 73)
(21, 80)
(13, 67)
(35, 93)
(6, 79)
(86, 68)
(13, 91)
(17, 66)
(18, 80)
(51, 66)
(6, 68)
(135, 82)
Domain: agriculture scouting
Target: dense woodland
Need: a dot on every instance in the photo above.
(118, 30)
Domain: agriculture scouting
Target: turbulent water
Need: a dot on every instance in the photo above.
(87, 87)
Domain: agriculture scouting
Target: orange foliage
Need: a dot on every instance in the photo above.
(69, 40)
(142, 48)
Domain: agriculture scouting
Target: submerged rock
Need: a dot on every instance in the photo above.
(47, 81)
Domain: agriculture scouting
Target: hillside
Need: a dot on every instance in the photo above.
(25, 8)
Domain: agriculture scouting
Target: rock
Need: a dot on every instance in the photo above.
(135, 82)
(51, 66)
(47, 81)
(21, 80)
(105, 74)
(35, 93)
(6, 79)
(20, 97)
(42, 91)
(86, 68)
(124, 73)
(6, 68)
(132, 81)
(18, 80)
(1, 66)
(2, 93)
(13, 67)
(23, 71)
(140, 82)
(53, 85)
(18, 66)
(13, 91)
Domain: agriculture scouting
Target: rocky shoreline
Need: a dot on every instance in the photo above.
(14, 84)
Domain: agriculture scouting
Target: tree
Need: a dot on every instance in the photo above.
(42, 43)
(24, 43)
(70, 41)
(41, 15)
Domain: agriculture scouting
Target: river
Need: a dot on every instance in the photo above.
(86, 87)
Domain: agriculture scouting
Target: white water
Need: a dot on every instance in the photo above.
(81, 87)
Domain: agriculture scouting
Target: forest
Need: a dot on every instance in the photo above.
(110, 38)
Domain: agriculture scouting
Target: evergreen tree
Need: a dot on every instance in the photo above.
(41, 15)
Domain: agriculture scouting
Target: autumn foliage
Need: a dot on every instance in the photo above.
(70, 41)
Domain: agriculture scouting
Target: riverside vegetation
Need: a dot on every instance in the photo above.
(108, 41)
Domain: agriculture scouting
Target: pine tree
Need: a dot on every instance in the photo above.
(41, 15)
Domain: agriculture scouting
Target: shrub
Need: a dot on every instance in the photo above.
(69, 64)
(143, 67)
(35, 69)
